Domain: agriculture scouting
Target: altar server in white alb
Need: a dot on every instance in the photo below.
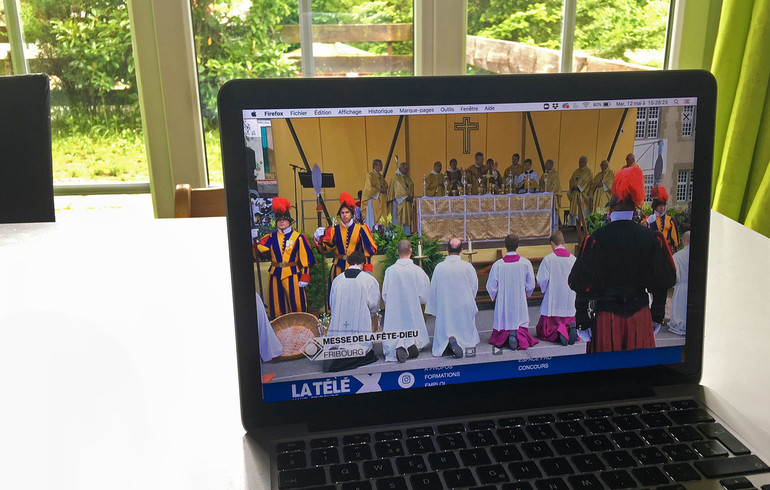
(678, 322)
(511, 280)
(405, 287)
(452, 301)
(269, 345)
(354, 298)
(557, 311)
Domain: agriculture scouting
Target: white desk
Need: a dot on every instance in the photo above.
(117, 352)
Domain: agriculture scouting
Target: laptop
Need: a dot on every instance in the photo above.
(509, 419)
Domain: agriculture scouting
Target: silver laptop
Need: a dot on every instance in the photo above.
(549, 417)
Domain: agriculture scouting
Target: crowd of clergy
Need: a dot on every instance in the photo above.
(620, 267)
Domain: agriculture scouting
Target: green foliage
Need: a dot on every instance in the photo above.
(595, 221)
(237, 46)
(316, 289)
(429, 250)
(86, 46)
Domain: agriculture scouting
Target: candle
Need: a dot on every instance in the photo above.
(419, 248)
(470, 246)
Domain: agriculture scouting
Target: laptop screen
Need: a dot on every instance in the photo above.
(478, 168)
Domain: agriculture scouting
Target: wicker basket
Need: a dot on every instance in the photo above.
(304, 321)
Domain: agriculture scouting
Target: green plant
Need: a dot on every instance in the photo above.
(595, 221)
(316, 289)
(429, 250)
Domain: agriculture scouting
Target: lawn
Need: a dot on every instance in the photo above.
(114, 156)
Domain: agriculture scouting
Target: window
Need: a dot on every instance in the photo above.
(647, 122)
(688, 120)
(684, 186)
(649, 181)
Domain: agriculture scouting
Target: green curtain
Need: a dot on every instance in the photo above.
(741, 65)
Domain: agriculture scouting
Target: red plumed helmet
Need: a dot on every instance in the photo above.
(281, 205)
(629, 185)
(347, 200)
(659, 193)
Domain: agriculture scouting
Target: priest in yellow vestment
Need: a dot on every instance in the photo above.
(400, 197)
(434, 182)
(579, 185)
(601, 188)
(373, 195)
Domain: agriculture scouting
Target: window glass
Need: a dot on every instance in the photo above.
(85, 48)
(609, 35)
(254, 38)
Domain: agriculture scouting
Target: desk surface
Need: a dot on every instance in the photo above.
(118, 365)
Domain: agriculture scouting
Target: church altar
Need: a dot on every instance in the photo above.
(486, 217)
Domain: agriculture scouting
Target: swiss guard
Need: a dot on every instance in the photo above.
(659, 220)
(291, 258)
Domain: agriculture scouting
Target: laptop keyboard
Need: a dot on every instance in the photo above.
(654, 445)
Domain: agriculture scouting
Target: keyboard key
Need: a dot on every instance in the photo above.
(474, 457)
(556, 467)
(585, 482)
(506, 453)
(566, 447)
(740, 465)
(301, 478)
(570, 429)
(587, 463)
(492, 474)
(448, 442)
(326, 455)
(627, 440)
(680, 452)
(510, 435)
(522, 485)
(683, 404)
(599, 413)
(628, 410)
(344, 472)
(672, 487)
(426, 481)
(511, 422)
(459, 478)
(655, 419)
(443, 461)
(481, 425)
(420, 445)
(541, 432)
(481, 438)
(617, 479)
(681, 472)
(419, 431)
(718, 432)
(524, 470)
(388, 435)
(690, 416)
(542, 418)
(597, 443)
(324, 442)
(394, 483)
(710, 449)
(570, 415)
(649, 455)
(291, 461)
(656, 437)
(656, 407)
(352, 439)
(650, 476)
(359, 452)
(619, 459)
(358, 485)
(627, 422)
(736, 483)
(599, 426)
(377, 468)
(551, 484)
(685, 433)
(450, 428)
(387, 449)
(411, 464)
(291, 446)
(535, 450)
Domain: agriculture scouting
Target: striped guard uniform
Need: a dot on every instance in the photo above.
(291, 259)
(343, 241)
